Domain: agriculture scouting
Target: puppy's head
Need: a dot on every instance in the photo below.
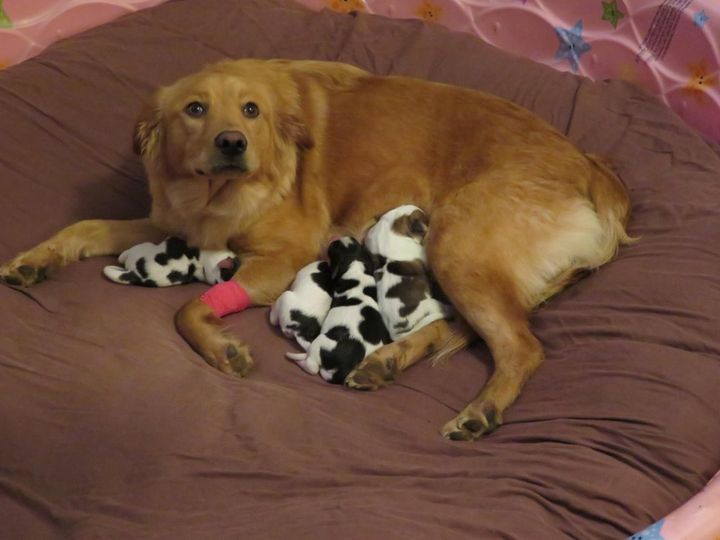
(398, 233)
(232, 123)
(343, 252)
(411, 222)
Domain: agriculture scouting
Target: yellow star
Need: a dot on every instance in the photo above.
(700, 80)
(628, 72)
(346, 6)
(429, 11)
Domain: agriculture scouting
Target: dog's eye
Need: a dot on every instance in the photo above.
(195, 109)
(250, 110)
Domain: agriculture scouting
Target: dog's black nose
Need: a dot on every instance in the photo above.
(231, 143)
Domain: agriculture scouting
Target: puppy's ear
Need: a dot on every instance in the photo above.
(336, 254)
(147, 130)
(334, 251)
(294, 130)
(418, 225)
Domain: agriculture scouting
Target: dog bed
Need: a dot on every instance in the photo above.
(113, 428)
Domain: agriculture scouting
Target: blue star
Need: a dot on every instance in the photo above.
(572, 46)
(700, 18)
(651, 533)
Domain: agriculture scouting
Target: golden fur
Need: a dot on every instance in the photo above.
(515, 209)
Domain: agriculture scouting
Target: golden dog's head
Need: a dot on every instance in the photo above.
(223, 136)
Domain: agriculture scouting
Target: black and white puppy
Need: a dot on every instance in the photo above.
(407, 297)
(171, 262)
(353, 328)
(301, 310)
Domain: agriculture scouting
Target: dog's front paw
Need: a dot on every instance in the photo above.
(373, 373)
(23, 271)
(230, 356)
(31, 267)
(473, 422)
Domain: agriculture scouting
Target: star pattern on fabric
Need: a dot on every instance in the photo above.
(628, 72)
(700, 18)
(572, 46)
(429, 11)
(347, 6)
(612, 13)
(651, 533)
(5, 21)
(701, 79)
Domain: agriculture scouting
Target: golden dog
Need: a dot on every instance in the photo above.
(271, 158)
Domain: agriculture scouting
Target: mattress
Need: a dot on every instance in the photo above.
(113, 428)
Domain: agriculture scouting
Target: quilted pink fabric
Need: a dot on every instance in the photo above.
(28, 26)
(670, 47)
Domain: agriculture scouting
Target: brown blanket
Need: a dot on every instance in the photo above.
(111, 427)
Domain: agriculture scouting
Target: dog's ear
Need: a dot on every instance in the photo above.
(293, 130)
(147, 130)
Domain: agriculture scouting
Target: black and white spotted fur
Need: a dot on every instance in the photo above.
(301, 310)
(171, 262)
(353, 328)
(407, 297)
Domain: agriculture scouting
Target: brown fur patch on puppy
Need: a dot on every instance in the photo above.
(413, 225)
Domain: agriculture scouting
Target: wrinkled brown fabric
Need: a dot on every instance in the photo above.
(111, 427)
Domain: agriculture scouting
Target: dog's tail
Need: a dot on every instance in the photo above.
(452, 336)
(612, 205)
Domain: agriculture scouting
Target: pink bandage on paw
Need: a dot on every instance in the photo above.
(226, 297)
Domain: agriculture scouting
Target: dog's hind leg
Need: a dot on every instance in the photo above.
(478, 256)
(500, 246)
(502, 322)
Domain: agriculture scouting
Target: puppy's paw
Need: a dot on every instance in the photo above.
(373, 373)
(473, 422)
(230, 356)
(308, 364)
